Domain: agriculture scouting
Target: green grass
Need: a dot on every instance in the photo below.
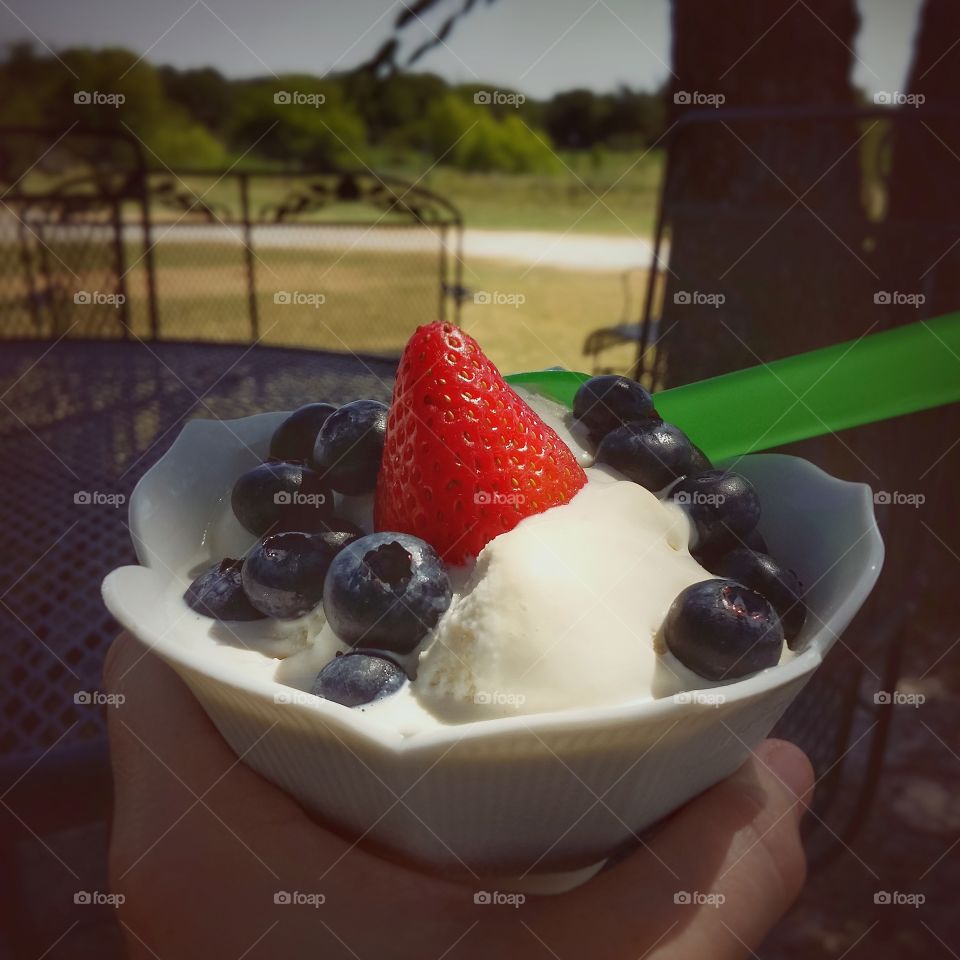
(560, 308)
(365, 301)
(611, 192)
(372, 304)
(627, 185)
(374, 299)
(614, 193)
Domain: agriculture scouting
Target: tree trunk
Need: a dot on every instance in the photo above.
(919, 254)
(817, 275)
(765, 216)
(768, 216)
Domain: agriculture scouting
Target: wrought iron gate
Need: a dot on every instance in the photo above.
(93, 244)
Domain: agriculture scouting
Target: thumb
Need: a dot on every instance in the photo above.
(167, 754)
(720, 873)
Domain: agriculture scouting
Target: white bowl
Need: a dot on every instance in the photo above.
(548, 795)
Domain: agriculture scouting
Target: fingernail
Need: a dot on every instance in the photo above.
(789, 764)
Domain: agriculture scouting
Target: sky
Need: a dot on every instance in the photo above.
(535, 46)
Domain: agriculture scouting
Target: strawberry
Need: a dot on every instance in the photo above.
(465, 459)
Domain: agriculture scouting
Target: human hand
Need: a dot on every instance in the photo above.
(201, 844)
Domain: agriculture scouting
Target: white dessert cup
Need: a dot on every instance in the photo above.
(534, 802)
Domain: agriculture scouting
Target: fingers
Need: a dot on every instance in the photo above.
(206, 842)
(164, 748)
(201, 844)
(721, 872)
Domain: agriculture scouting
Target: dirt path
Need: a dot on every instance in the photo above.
(531, 248)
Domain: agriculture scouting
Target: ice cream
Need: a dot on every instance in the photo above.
(563, 611)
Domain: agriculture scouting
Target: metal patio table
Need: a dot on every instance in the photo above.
(80, 422)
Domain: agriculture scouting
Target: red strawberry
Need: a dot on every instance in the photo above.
(465, 458)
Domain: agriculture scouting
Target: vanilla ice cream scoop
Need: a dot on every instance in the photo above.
(563, 611)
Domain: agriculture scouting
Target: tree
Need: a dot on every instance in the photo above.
(298, 121)
(795, 279)
(737, 228)
(917, 253)
(576, 119)
(205, 94)
(113, 91)
(634, 118)
(389, 106)
(470, 137)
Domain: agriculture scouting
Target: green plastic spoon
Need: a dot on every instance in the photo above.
(903, 370)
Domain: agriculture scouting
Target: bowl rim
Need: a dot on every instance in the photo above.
(445, 735)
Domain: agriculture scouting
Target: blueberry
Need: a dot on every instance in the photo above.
(281, 495)
(342, 525)
(309, 521)
(649, 453)
(218, 593)
(710, 557)
(283, 576)
(295, 437)
(754, 541)
(337, 539)
(385, 591)
(700, 462)
(723, 507)
(349, 447)
(357, 678)
(780, 586)
(604, 403)
(721, 630)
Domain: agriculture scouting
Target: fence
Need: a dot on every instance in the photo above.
(93, 244)
(786, 226)
(783, 230)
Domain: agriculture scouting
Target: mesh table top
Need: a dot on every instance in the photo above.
(81, 418)
(90, 417)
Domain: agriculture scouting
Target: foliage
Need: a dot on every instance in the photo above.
(125, 96)
(200, 118)
(577, 119)
(314, 129)
(470, 137)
